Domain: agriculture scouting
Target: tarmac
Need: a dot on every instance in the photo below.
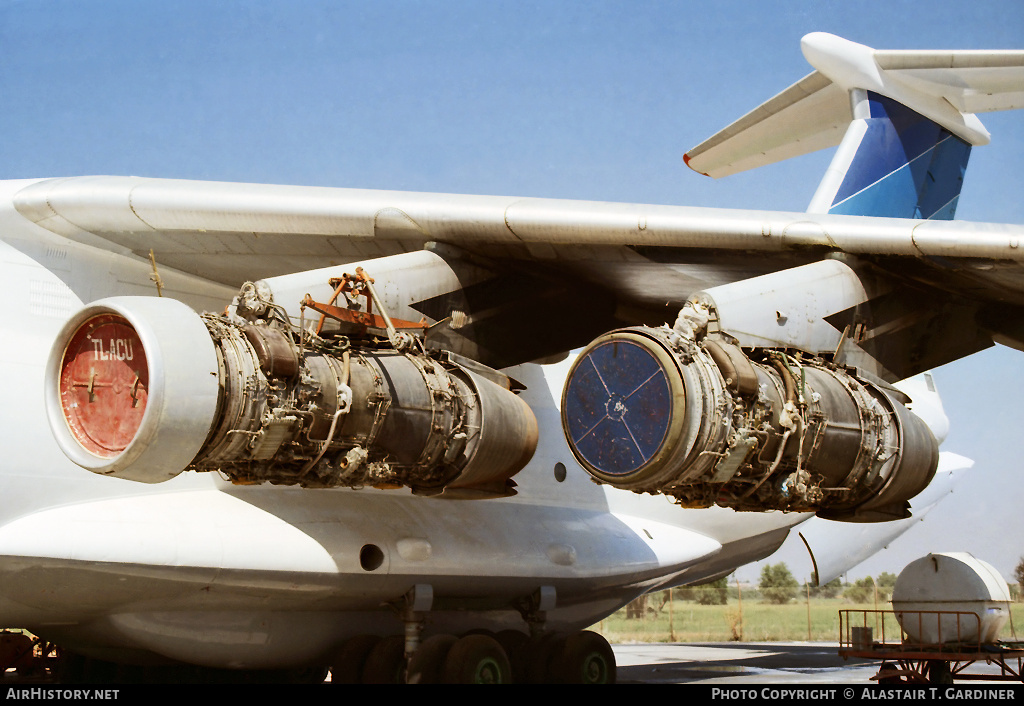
(794, 663)
(740, 663)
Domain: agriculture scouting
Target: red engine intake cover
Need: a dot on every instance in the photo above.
(104, 384)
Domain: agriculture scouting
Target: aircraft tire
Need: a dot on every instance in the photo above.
(427, 662)
(347, 662)
(386, 662)
(541, 651)
(477, 659)
(585, 658)
(514, 644)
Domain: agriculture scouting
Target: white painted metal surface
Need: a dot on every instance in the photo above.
(951, 597)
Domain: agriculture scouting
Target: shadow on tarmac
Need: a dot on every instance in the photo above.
(740, 663)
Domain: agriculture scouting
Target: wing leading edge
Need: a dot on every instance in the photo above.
(194, 218)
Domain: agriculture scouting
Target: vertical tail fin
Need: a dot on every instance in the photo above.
(893, 162)
(904, 120)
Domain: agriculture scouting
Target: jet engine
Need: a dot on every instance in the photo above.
(143, 388)
(667, 410)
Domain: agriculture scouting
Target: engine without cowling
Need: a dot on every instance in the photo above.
(143, 388)
(696, 417)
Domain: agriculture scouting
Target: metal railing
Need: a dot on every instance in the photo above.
(858, 629)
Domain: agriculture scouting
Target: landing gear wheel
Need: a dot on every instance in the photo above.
(386, 662)
(347, 662)
(476, 659)
(427, 662)
(514, 644)
(541, 652)
(585, 658)
(512, 640)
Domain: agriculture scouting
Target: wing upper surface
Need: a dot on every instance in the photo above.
(140, 213)
(232, 232)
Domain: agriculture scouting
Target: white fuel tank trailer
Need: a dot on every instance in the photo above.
(954, 597)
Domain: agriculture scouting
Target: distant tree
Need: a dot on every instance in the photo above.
(713, 593)
(649, 603)
(636, 608)
(685, 593)
(862, 591)
(777, 584)
(1018, 573)
(886, 582)
(830, 590)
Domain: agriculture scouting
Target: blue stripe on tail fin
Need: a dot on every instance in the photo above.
(903, 165)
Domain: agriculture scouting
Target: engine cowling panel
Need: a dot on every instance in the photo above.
(653, 410)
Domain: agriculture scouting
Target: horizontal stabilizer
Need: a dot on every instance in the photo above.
(947, 87)
(810, 115)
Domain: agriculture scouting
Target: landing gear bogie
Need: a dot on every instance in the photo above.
(582, 657)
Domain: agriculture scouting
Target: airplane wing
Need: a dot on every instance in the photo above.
(183, 220)
(599, 264)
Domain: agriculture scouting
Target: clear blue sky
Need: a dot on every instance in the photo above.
(589, 100)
